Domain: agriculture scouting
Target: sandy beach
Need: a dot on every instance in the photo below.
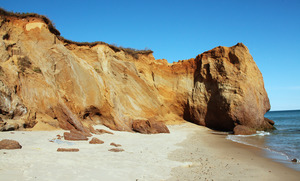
(189, 152)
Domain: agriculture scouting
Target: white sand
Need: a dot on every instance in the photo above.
(145, 157)
(189, 152)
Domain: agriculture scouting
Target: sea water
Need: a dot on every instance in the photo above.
(282, 144)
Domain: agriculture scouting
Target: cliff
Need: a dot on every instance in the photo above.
(47, 82)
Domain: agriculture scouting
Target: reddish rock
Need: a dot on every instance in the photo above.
(72, 136)
(149, 127)
(9, 144)
(243, 130)
(228, 91)
(116, 150)
(59, 137)
(85, 133)
(68, 150)
(96, 141)
(116, 145)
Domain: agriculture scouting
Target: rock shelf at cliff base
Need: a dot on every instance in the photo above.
(48, 82)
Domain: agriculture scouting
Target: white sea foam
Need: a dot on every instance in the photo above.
(262, 133)
(243, 140)
(258, 133)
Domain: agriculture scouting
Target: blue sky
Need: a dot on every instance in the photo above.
(177, 30)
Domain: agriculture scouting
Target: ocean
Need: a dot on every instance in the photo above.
(282, 144)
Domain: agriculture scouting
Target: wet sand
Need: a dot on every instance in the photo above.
(212, 157)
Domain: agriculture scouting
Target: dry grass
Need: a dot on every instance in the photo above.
(51, 27)
(133, 52)
(37, 70)
(130, 51)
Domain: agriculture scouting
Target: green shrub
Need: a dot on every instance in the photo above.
(37, 70)
(23, 63)
(97, 70)
(1, 71)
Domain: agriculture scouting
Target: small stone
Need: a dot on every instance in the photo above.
(116, 150)
(96, 141)
(114, 144)
(68, 150)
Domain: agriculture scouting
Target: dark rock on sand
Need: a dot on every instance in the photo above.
(96, 141)
(294, 160)
(116, 150)
(9, 144)
(75, 136)
(114, 144)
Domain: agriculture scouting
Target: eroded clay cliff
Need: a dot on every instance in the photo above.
(47, 81)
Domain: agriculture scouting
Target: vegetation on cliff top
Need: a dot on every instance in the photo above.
(130, 51)
(52, 29)
(28, 15)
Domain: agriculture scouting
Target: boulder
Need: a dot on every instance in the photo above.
(228, 91)
(294, 160)
(96, 141)
(85, 133)
(9, 144)
(149, 127)
(243, 130)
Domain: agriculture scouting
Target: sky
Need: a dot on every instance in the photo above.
(178, 30)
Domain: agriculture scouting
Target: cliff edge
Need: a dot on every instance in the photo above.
(48, 82)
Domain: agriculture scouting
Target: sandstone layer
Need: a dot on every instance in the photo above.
(46, 80)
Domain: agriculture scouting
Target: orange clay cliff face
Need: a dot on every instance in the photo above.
(49, 82)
